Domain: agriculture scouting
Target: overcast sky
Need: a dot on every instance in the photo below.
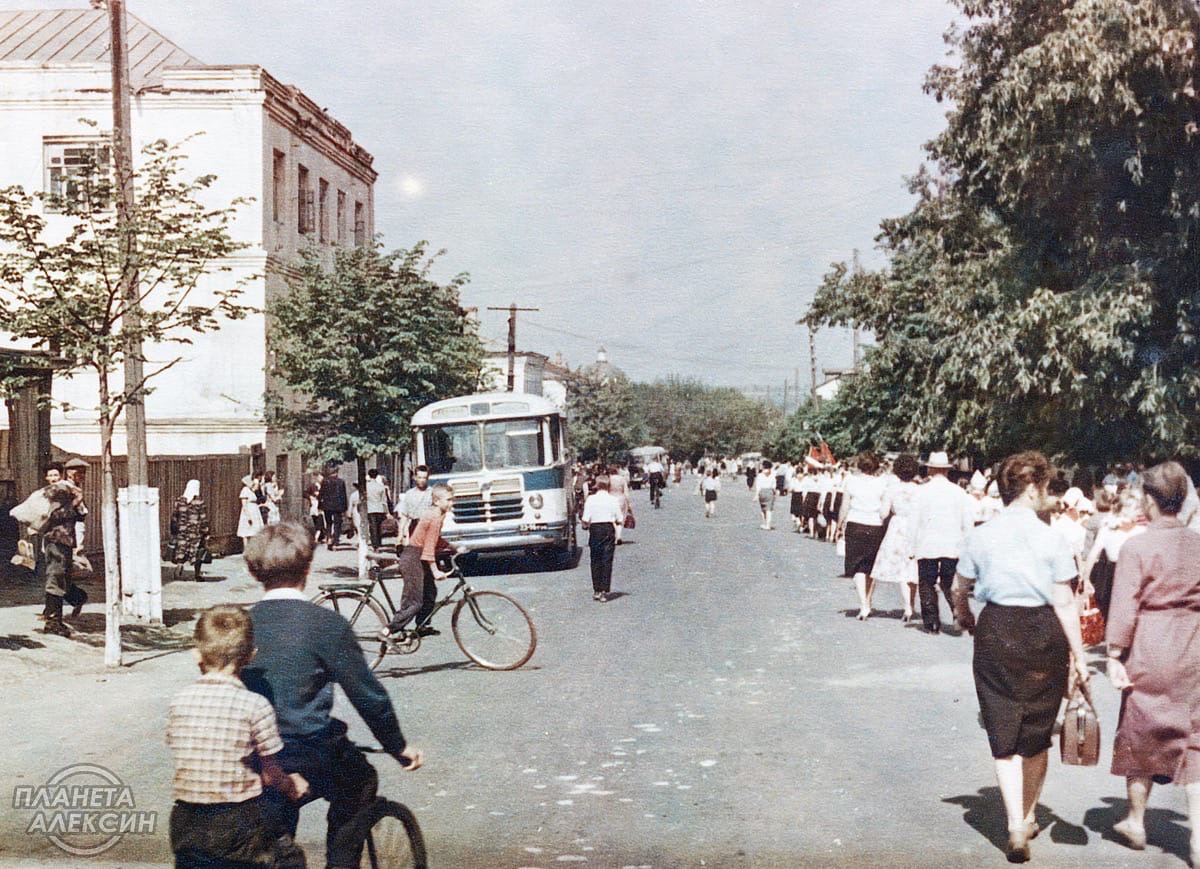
(667, 179)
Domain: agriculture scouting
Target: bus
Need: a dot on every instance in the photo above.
(506, 456)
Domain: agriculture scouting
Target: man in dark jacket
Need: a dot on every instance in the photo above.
(332, 501)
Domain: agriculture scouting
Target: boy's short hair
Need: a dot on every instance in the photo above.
(280, 554)
(440, 489)
(224, 635)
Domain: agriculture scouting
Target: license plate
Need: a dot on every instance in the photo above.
(532, 526)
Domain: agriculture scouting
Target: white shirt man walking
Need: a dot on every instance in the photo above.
(939, 519)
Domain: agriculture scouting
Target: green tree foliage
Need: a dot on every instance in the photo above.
(690, 419)
(601, 414)
(358, 349)
(1042, 291)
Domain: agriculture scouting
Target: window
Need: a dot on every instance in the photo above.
(323, 211)
(360, 225)
(341, 218)
(278, 185)
(452, 448)
(304, 201)
(77, 172)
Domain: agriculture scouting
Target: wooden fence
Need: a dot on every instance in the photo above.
(220, 479)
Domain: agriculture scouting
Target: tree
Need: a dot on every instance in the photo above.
(601, 413)
(690, 419)
(61, 279)
(360, 348)
(1041, 293)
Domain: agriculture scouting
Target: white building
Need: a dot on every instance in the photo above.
(310, 183)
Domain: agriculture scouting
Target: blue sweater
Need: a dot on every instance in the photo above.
(303, 650)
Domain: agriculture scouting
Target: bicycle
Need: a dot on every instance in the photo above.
(498, 634)
(656, 488)
(390, 837)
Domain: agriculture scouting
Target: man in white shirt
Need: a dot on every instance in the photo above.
(377, 507)
(939, 519)
(602, 513)
(416, 501)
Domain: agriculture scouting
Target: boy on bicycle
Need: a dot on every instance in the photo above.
(226, 746)
(303, 651)
(418, 566)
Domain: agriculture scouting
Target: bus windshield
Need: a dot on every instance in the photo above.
(468, 447)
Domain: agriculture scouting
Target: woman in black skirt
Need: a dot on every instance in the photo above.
(1027, 638)
(861, 522)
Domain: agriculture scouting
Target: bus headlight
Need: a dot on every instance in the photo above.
(535, 501)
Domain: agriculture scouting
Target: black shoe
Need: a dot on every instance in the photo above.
(55, 626)
(428, 631)
(933, 629)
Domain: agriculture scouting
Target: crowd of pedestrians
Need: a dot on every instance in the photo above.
(1034, 549)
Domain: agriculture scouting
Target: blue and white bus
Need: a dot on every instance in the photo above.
(505, 454)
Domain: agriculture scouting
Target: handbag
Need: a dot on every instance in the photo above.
(1079, 741)
(630, 522)
(204, 555)
(1091, 623)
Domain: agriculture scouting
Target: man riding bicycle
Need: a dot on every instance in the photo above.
(303, 650)
(656, 474)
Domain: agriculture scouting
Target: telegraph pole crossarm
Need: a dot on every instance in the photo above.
(512, 341)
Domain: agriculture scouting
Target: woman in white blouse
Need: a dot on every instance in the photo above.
(862, 527)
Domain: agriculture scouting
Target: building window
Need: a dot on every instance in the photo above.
(323, 206)
(304, 201)
(77, 173)
(341, 218)
(278, 185)
(360, 225)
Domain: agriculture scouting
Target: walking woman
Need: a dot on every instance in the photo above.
(1153, 636)
(763, 491)
(862, 527)
(189, 528)
(601, 516)
(250, 521)
(1027, 638)
(893, 563)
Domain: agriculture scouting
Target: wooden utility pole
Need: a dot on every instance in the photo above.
(512, 341)
(812, 363)
(138, 550)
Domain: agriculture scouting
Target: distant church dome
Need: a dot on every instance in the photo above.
(602, 367)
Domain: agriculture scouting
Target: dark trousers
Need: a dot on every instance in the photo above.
(337, 771)
(932, 572)
(375, 529)
(333, 527)
(232, 835)
(420, 589)
(602, 545)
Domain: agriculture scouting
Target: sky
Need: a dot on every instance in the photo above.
(667, 180)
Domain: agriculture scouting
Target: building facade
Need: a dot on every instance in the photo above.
(307, 182)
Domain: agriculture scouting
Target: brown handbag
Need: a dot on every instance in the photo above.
(1080, 737)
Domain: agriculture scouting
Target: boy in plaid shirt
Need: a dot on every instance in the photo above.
(225, 740)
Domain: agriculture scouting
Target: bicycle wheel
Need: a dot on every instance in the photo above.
(366, 618)
(493, 630)
(394, 838)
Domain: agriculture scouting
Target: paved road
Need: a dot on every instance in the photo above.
(725, 710)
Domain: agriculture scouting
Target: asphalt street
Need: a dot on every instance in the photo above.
(725, 709)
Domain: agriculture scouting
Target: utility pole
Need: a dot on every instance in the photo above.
(812, 363)
(512, 341)
(856, 270)
(785, 396)
(140, 575)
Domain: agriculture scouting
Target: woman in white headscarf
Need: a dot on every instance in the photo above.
(189, 529)
(250, 522)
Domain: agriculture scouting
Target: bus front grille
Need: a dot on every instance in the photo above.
(497, 502)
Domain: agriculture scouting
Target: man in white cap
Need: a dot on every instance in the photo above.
(939, 519)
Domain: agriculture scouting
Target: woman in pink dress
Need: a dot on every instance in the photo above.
(1153, 636)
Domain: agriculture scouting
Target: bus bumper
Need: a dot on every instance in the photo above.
(547, 536)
